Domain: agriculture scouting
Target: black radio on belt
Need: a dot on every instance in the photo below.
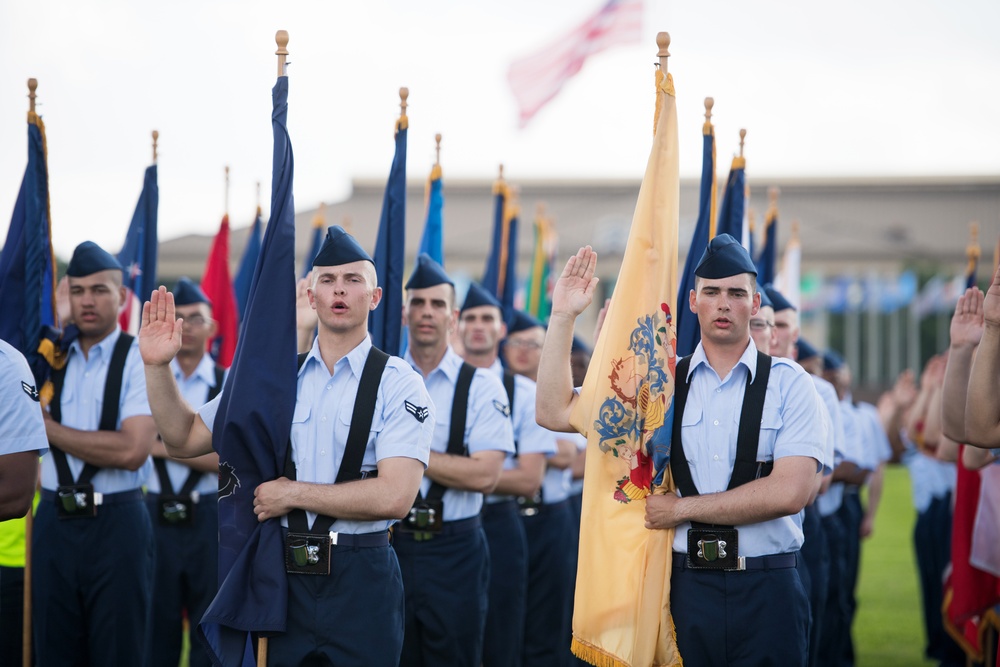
(426, 516)
(75, 501)
(176, 510)
(713, 547)
(307, 553)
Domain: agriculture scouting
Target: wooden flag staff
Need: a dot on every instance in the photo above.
(156, 138)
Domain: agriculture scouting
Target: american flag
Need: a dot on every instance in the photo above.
(538, 78)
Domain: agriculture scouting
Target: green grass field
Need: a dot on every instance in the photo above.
(888, 630)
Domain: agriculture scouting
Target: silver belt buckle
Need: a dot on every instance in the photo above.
(98, 498)
(333, 538)
(741, 563)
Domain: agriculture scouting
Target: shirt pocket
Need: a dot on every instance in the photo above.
(344, 422)
(692, 430)
(770, 425)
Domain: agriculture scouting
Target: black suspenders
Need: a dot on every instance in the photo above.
(459, 417)
(109, 411)
(508, 384)
(357, 441)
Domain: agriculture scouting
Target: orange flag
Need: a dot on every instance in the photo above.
(622, 610)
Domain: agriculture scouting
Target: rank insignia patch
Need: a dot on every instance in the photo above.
(502, 408)
(30, 391)
(419, 413)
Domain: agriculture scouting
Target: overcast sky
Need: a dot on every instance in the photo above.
(850, 88)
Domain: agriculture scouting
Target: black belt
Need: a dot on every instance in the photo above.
(106, 498)
(447, 528)
(202, 497)
(499, 508)
(379, 539)
(772, 562)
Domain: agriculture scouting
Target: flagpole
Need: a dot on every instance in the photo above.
(156, 138)
(437, 150)
(226, 210)
(29, 518)
(259, 209)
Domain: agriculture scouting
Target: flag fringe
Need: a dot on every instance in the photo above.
(601, 658)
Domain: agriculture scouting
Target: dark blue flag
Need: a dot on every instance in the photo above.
(244, 274)
(432, 241)
(138, 255)
(688, 331)
(386, 322)
(27, 265)
(768, 257)
(252, 428)
(972, 252)
(734, 202)
(500, 275)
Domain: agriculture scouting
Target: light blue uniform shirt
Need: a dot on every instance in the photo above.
(487, 426)
(576, 485)
(710, 424)
(530, 437)
(877, 449)
(194, 389)
(929, 477)
(22, 428)
(556, 484)
(829, 502)
(324, 406)
(82, 400)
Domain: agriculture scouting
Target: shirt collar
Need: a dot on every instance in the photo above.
(748, 359)
(105, 346)
(356, 358)
(205, 370)
(450, 364)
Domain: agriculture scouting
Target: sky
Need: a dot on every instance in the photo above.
(845, 89)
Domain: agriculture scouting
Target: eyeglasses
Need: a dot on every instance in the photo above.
(195, 321)
(523, 344)
(760, 325)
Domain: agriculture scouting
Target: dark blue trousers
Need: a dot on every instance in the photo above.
(834, 628)
(932, 544)
(816, 555)
(851, 513)
(92, 585)
(351, 618)
(186, 579)
(547, 630)
(503, 640)
(446, 580)
(738, 619)
(11, 616)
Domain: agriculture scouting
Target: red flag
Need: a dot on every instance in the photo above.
(969, 593)
(537, 78)
(218, 287)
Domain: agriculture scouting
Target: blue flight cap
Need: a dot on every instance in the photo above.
(478, 296)
(427, 273)
(90, 258)
(579, 346)
(523, 321)
(187, 292)
(724, 257)
(778, 299)
(832, 361)
(805, 350)
(764, 300)
(338, 248)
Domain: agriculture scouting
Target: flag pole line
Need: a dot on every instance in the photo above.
(26, 660)
(156, 138)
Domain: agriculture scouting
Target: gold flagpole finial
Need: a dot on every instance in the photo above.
(663, 42)
(281, 39)
(156, 138)
(500, 177)
(259, 209)
(709, 103)
(32, 86)
(772, 194)
(795, 230)
(437, 149)
(403, 94)
(743, 136)
(974, 232)
(227, 189)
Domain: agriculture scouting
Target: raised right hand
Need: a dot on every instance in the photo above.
(160, 333)
(967, 323)
(574, 290)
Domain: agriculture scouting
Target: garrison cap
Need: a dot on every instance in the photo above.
(724, 257)
(523, 321)
(90, 258)
(427, 273)
(478, 296)
(765, 300)
(338, 248)
(805, 350)
(778, 299)
(832, 361)
(187, 292)
(579, 346)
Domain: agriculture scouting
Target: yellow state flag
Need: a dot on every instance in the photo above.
(622, 610)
